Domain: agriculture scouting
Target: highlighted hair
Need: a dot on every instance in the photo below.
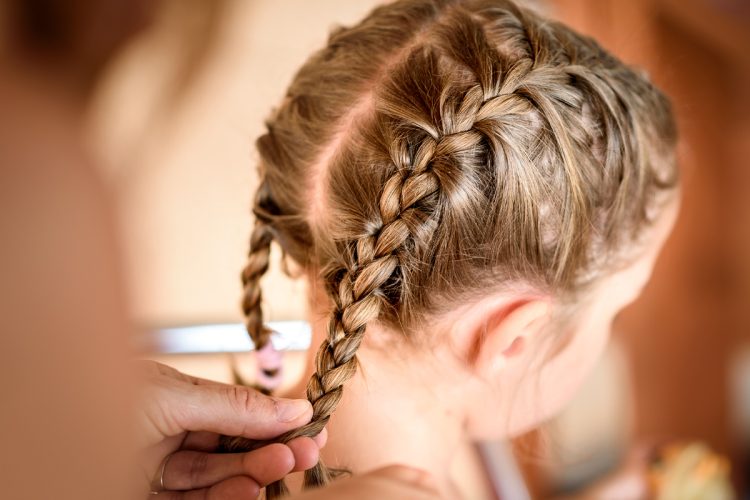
(442, 148)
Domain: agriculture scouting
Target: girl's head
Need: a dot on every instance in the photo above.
(465, 174)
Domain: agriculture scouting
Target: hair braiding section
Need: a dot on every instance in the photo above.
(496, 148)
(364, 285)
(256, 266)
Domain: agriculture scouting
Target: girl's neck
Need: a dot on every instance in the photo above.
(389, 416)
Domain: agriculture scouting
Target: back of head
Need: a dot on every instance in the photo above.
(440, 149)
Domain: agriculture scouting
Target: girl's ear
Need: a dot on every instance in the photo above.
(505, 334)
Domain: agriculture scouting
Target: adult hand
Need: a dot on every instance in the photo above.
(181, 420)
(395, 482)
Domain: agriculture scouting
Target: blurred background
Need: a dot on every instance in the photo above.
(173, 94)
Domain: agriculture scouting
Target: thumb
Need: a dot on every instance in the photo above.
(240, 411)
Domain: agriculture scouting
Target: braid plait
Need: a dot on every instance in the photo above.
(496, 147)
(255, 268)
(359, 295)
(258, 260)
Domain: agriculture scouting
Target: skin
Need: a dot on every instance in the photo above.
(64, 338)
(487, 371)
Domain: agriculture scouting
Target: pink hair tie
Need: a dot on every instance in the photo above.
(269, 366)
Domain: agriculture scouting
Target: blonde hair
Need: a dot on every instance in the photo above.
(439, 149)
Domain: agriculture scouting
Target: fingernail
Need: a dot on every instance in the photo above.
(288, 410)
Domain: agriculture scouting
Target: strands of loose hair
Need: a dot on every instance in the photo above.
(441, 148)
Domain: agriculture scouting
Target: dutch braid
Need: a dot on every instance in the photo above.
(360, 295)
(256, 267)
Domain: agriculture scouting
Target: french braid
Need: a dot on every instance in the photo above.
(257, 265)
(499, 147)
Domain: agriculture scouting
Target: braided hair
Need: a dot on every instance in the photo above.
(439, 149)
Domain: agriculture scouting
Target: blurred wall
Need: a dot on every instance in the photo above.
(180, 153)
(692, 323)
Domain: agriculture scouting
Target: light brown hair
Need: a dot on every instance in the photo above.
(440, 149)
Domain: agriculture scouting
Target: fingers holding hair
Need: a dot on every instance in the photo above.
(189, 470)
